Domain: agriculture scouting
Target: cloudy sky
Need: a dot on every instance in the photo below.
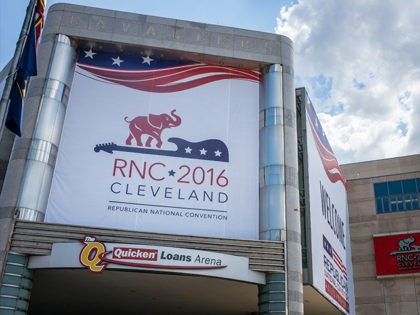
(359, 60)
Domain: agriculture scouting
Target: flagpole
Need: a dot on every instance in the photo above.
(4, 102)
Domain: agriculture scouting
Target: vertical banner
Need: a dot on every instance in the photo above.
(330, 239)
(160, 146)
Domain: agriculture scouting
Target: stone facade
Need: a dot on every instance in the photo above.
(69, 27)
(380, 295)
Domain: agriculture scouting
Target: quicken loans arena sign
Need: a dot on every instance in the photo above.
(158, 145)
(96, 256)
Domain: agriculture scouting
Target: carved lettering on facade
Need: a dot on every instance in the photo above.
(173, 33)
(245, 44)
(126, 26)
(268, 47)
(150, 31)
(198, 37)
(221, 40)
(100, 25)
(75, 20)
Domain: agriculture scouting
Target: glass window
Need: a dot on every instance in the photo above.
(408, 202)
(395, 188)
(394, 204)
(399, 195)
(381, 189)
(386, 204)
(400, 203)
(379, 205)
(409, 186)
(415, 201)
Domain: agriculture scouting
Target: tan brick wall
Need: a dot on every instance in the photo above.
(393, 295)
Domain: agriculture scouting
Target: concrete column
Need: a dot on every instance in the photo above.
(29, 174)
(293, 235)
(272, 179)
(279, 190)
(39, 168)
(272, 295)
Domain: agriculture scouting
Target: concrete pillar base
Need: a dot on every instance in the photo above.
(272, 296)
(15, 291)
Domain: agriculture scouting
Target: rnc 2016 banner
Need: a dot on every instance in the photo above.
(330, 239)
(157, 145)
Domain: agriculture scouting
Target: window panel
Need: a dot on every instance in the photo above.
(379, 205)
(394, 204)
(395, 188)
(400, 195)
(381, 189)
(409, 202)
(400, 204)
(415, 201)
(386, 204)
(409, 186)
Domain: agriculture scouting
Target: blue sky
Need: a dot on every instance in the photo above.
(257, 15)
(359, 60)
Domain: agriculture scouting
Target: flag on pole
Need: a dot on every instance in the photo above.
(26, 68)
(39, 20)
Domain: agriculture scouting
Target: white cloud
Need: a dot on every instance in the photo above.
(369, 50)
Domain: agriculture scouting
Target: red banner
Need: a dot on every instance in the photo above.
(397, 254)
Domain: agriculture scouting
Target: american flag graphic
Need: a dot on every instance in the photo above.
(331, 167)
(155, 74)
(160, 75)
(334, 255)
(339, 262)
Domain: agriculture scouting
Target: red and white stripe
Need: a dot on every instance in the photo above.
(339, 262)
(328, 159)
(170, 79)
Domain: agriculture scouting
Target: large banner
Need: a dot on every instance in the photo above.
(159, 145)
(330, 238)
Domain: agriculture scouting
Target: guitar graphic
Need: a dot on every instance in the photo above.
(209, 150)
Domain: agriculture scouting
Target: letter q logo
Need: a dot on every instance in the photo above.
(92, 253)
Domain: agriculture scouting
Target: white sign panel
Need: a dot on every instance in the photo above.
(96, 257)
(159, 146)
(330, 240)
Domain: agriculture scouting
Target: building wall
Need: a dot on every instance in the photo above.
(384, 295)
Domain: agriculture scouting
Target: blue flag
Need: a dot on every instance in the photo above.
(26, 68)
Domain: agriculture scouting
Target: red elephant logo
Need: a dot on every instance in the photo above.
(152, 126)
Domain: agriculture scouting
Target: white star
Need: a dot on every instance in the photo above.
(147, 60)
(217, 153)
(203, 151)
(117, 61)
(89, 53)
(188, 150)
